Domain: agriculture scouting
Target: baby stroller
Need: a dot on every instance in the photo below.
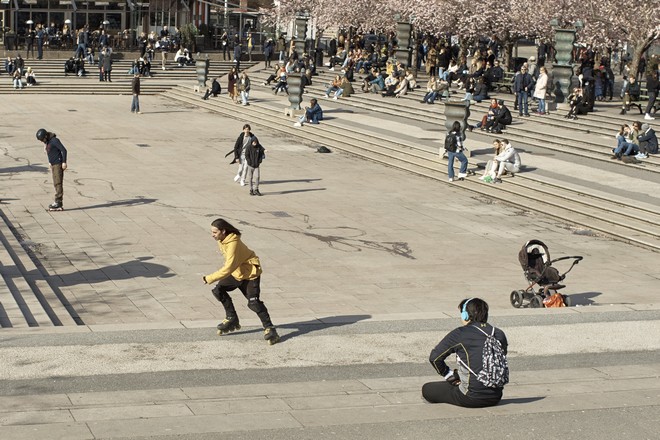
(544, 279)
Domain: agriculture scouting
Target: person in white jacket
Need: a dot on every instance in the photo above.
(508, 160)
(541, 89)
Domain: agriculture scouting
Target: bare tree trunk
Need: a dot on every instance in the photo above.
(508, 55)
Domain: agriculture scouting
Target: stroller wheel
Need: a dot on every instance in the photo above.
(567, 300)
(536, 302)
(516, 298)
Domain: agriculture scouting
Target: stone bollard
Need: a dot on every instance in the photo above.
(294, 82)
(457, 111)
(202, 69)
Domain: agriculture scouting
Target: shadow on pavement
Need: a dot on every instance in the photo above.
(23, 168)
(128, 202)
(520, 400)
(305, 327)
(123, 271)
(291, 191)
(583, 299)
(273, 182)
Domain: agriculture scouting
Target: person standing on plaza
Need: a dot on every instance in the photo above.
(40, 41)
(224, 42)
(454, 146)
(57, 156)
(652, 86)
(268, 51)
(29, 43)
(135, 91)
(243, 86)
(232, 79)
(522, 86)
(250, 46)
(244, 139)
(472, 384)
(254, 155)
(238, 50)
(242, 270)
(106, 60)
(541, 89)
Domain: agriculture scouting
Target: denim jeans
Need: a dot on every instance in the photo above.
(135, 104)
(624, 148)
(522, 103)
(541, 105)
(450, 165)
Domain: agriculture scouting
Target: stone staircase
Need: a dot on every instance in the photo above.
(52, 80)
(26, 298)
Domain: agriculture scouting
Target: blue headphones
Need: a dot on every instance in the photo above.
(465, 316)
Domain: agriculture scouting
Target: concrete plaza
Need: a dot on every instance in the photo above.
(363, 268)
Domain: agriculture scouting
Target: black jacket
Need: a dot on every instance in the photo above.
(254, 154)
(55, 150)
(238, 146)
(467, 343)
(504, 115)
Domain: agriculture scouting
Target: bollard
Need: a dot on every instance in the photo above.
(457, 111)
(294, 82)
(202, 69)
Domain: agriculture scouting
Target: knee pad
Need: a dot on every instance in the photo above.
(216, 293)
(255, 304)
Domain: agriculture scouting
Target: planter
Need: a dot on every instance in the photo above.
(294, 82)
(457, 111)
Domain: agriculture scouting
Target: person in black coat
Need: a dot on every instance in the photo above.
(502, 117)
(215, 89)
(254, 155)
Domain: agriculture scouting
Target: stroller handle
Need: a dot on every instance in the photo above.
(576, 260)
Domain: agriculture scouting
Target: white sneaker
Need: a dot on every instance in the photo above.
(451, 179)
(236, 179)
(335, 98)
(332, 68)
(648, 117)
(242, 182)
(297, 124)
(325, 96)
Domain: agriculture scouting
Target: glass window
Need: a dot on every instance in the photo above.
(57, 18)
(115, 21)
(95, 20)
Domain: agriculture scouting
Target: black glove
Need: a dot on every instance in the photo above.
(453, 378)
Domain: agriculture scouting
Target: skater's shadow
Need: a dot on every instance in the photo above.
(139, 267)
(128, 202)
(320, 324)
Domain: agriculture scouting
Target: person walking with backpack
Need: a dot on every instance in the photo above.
(454, 147)
(480, 352)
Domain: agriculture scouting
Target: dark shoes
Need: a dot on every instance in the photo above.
(255, 192)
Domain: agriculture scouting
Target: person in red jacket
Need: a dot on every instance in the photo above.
(241, 270)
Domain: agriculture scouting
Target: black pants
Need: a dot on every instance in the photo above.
(250, 289)
(444, 392)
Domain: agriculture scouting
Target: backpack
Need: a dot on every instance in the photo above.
(451, 144)
(495, 371)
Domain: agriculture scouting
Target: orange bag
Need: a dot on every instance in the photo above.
(555, 300)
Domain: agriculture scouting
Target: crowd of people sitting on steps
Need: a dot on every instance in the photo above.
(17, 71)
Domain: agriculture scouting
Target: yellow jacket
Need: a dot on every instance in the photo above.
(240, 262)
